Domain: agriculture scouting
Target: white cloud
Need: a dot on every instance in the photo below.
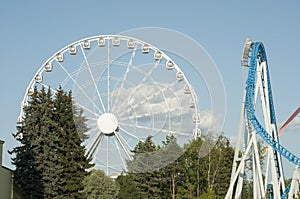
(168, 102)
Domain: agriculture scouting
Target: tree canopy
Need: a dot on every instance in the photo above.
(50, 162)
(189, 176)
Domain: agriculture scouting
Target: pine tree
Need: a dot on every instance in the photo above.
(50, 162)
(127, 187)
(170, 174)
(192, 178)
(46, 145)
(71, 154)
(80, 123)
(224, 153)
(140, 170)
(27, 175)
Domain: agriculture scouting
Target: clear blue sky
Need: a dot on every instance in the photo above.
(31, 31)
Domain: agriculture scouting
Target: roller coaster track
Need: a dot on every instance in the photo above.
(259, 51)
(289, 120)
(258, 86)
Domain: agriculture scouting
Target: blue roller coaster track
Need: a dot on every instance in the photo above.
(258, 53)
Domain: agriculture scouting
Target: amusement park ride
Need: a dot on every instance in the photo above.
(257, 121)
(128, 90)
(125, 100)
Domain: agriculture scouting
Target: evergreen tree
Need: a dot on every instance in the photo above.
(80, 123)
(27, 175)
(46, 137)
(224, 154)
(71, 154)
(193, 177)
(127, 186)
(140, 170)
(171, 173)
(50, 161)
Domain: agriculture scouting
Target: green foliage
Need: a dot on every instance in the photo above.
(72, 159)
(50, 161)
(97, 186)
(127, 188)
(208, 195)
(142, 177)
(202, 171)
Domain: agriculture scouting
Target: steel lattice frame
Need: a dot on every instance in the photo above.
(258, 90)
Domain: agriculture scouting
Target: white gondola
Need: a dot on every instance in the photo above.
(30, 91)
(39, 78)
(86, 44)
(101, 42)
(196, 117)
(197, 133)
(145, 49)
(116, 41)
(130, 44)
(170, 65)
(60, 57)
(192, 103)
(48, 67)
(179, 76)
(72, 50)
(157, 55)
(187, 89)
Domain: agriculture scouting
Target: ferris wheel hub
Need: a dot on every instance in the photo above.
(107, 123)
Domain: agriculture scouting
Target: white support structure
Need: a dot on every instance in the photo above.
(294, 190)
(247, 148)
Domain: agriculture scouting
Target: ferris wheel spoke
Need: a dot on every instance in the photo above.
(86, 109)
(130, 134)
(147, 114)
(127, 152)
(72, 74)
(94, 145)
(169, 113)
(76, 103)
(148, 98)
(108, 77)
(124, 77)
(119, 151)
(80, 88)
(91, 118)
(93, 79)
(147, 75)
(155, 129)
(107, 155)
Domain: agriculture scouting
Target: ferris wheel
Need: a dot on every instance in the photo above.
(128, 90)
